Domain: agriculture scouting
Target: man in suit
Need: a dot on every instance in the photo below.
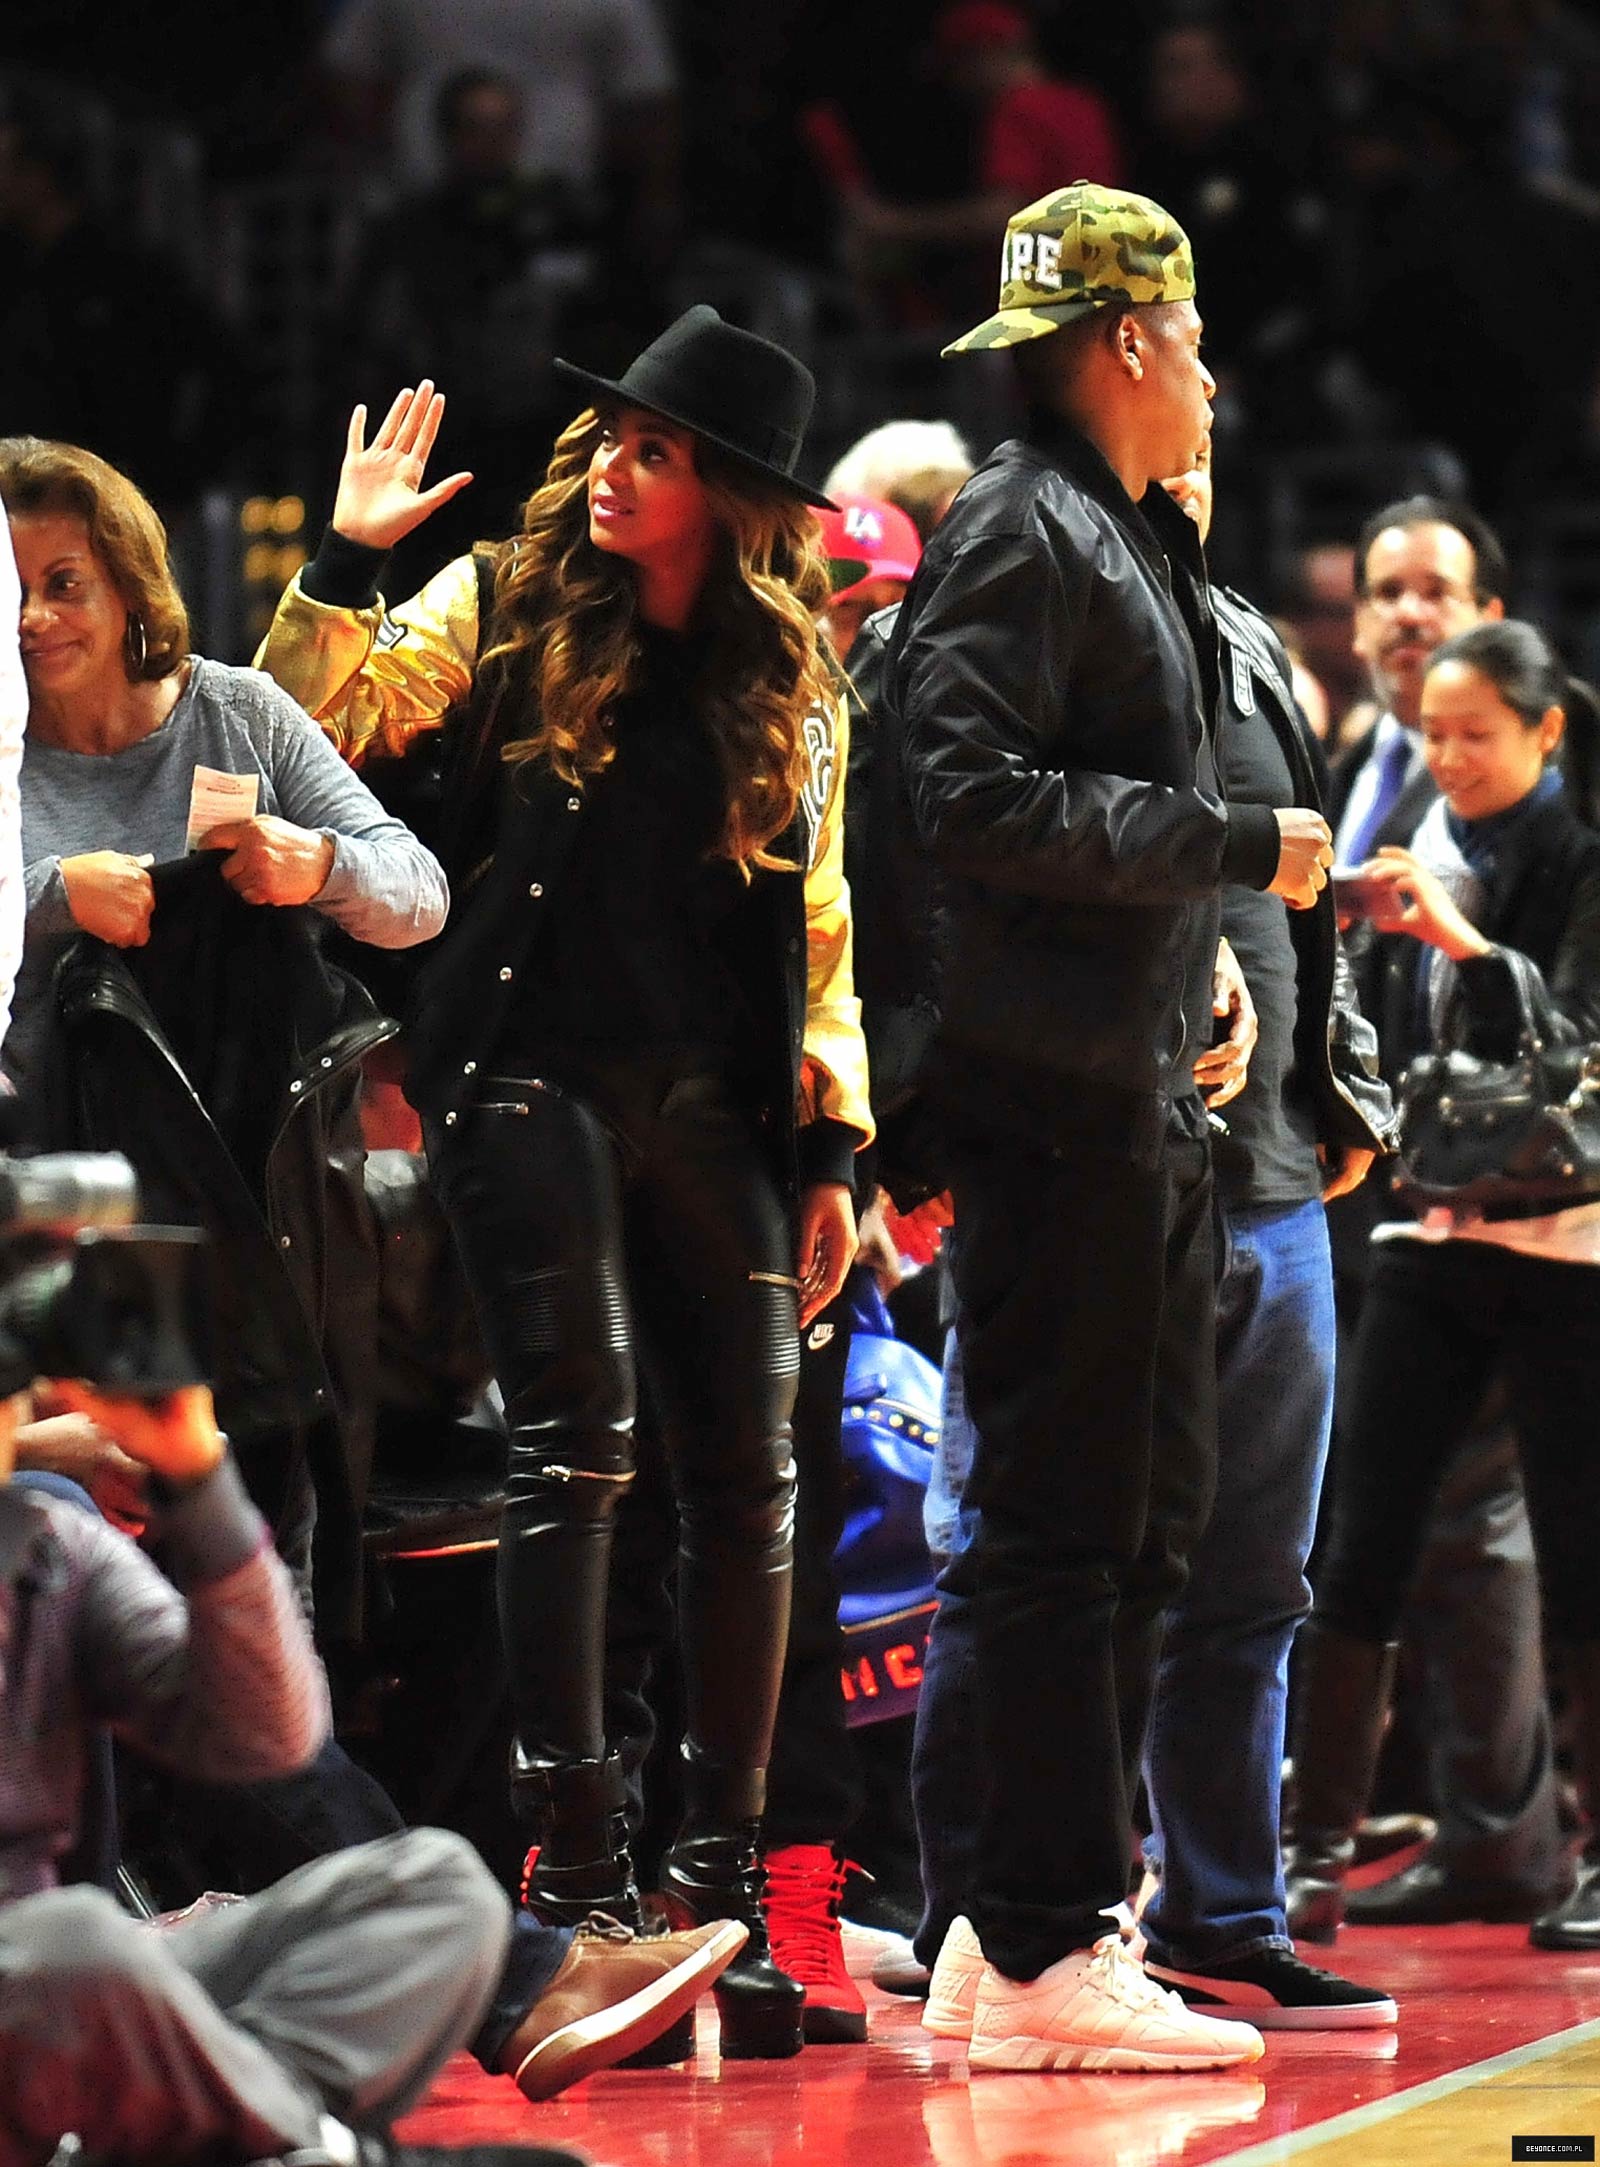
(1426, 570)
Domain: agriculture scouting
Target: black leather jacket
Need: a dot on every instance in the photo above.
(224, 1060)
(1336, 1048)
(1055, 669)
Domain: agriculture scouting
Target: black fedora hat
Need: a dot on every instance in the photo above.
(742, 393)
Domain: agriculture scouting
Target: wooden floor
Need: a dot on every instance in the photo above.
(1495, 2040)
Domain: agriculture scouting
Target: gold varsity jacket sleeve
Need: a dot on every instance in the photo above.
(376, 677)
(833, 1073)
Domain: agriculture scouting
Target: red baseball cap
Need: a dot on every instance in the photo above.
(874, 533)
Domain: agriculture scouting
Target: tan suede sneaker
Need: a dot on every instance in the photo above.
(615, 1992)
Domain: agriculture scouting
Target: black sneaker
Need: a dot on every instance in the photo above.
(1275, 1991)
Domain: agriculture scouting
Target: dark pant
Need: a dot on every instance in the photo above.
(814, 1787)
(1472, 1741)
(634, 1220)
(1439, 1321)
(1474, 1744)
(1085, 1298)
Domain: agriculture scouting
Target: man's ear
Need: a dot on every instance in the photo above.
(1494, 608)
(1128, 345)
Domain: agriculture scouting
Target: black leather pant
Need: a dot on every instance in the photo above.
(631, 1217)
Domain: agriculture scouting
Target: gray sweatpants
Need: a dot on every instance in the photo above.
(341, 1990)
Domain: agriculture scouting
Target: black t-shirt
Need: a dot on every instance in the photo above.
(628, 958)
(1204, 916)
(1269, 1153)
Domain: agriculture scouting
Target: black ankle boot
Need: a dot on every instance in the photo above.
(576, 1814)
(1342, 1688)
(1574, 1922)
(713, 1871)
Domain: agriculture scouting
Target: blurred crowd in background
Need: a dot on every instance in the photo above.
(1394, 204)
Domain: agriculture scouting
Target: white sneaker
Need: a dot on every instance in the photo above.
(1098, 2009)
(953, 1989)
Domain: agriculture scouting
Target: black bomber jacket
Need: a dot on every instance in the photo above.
(224, 1059)
(1054, 672)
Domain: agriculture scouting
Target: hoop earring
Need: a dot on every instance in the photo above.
(135, 647)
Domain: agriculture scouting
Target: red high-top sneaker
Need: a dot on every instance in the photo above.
(804, 1884)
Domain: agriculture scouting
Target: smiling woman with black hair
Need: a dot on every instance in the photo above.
(1500, 891)
(638, 1052)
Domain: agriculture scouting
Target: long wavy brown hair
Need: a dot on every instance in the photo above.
(565, 646)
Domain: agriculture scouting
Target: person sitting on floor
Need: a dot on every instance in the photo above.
(300, 2021)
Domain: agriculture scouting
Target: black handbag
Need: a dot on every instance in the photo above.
(1506, 1139)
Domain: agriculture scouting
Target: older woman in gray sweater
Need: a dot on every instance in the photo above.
(137, 750)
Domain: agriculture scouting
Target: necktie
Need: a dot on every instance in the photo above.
(1392, 764)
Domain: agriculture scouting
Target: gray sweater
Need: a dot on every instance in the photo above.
(222, 1686)
(385, 888)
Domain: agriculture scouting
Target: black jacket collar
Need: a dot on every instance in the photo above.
(1552, 833)
(1162, 530)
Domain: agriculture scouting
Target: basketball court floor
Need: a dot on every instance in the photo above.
(1496, 2042)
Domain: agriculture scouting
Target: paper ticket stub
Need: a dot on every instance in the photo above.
(217, 796)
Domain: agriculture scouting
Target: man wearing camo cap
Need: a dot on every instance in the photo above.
(1055, 679)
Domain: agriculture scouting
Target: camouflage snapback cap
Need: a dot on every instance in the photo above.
(1082, 248)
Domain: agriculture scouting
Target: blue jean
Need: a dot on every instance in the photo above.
(943, 1796)
(1214, 1751)
(1220, 1691)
